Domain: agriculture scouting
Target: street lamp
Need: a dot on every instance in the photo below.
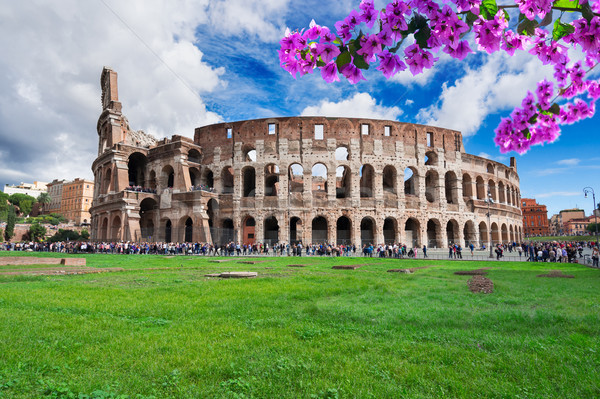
(587, 190)
(489, 201)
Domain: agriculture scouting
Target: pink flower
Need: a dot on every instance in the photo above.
(327, 52)
(390, 64)
(352, 73)
(418, 59)
(329, 72)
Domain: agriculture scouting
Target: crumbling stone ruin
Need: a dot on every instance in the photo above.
(298, 179)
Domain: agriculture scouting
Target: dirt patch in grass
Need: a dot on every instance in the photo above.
(476, 272)
(556, 273)
(480, 284)
(251, 262)
(347, 267)
(58, 271)
(405, 271)
(297, 265)
(220, 260)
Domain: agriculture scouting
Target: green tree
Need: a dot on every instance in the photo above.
(4, 204)
(1, 235)
(85, 235)
(37, 232)
(23, 201)
(44, 199)
(11, 218)
(64, 235)
(592, 227)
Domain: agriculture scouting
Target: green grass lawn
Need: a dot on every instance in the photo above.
(160, 329)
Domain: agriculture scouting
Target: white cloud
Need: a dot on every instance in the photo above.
(362, 105)
(499, 84)
(558, 194)
(484, 155)
(569, 162)
(409, 102)
(53, 54)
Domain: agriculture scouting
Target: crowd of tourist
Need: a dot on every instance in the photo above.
(140, 189)
(202, 187)
(531, 252)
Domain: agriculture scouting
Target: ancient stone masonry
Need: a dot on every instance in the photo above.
(292, 179)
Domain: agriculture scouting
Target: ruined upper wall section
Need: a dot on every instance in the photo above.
(344, 130)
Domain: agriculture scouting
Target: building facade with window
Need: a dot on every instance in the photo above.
(299, 179)
(535, 218)
(76, 201)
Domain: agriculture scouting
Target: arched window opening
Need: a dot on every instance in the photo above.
(469, 234)
(501, 193)
(136, 169)
(116, 229)
(367, 232)
(389, 231)
(451, 187)
(490, 168)
(319, 180)
(433, 233)
(467, 185)
(342, 182)
(147, 213)
(168, 231)
(431, 158)
(271, 180)
(389, 179)
(344, 231)
(249, 229)
(410, 181)
(319, 230)
(227, 180)
(168, 176)
(295, 230)
(367, 178)
(271, 229)
(495, 234)
(492, 190)
(432, 186)
(249, 182)
(484, 235)
(194, 156)
(296, 178)
(480, 185)
(342, 154)
(189, 230)
(452, 232)
(504, 231)
(250, 155)
(194, 177)
(412, 230)
(208, 179)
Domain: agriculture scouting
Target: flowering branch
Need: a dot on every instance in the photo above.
(442, 26)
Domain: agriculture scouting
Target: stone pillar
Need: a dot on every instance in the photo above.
(259, 232)
(379, 238)
(356, 232)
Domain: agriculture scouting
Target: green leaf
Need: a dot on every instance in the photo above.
(527, 27)
(561, 30)
(320, 62)
(337, 41)
(568, 5)
(488, 9)
(360, 62)
(527, 134)
(343, 59)
(396, 47)
(547, 19)
(533, 119)
(507, 15)
(422, 36)
(555, 109)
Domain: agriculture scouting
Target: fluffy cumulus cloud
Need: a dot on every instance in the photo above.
(361, 105)
(53, 54)
(499, 84)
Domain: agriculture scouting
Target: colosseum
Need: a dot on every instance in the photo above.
(298, 179)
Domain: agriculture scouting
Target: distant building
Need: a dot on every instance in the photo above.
(577, 226)
(33, 189)
(566, 215)
(535, 218)
(77, 197)
(55, 189)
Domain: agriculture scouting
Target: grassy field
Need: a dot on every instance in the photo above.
(160, 329)
(562, 238)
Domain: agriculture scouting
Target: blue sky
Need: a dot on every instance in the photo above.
(203, 61)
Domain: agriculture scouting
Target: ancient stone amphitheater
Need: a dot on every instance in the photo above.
(308, 179)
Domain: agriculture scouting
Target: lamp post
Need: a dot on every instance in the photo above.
(489, 201)
(587, 190)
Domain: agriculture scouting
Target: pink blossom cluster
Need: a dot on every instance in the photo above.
(369, 37)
